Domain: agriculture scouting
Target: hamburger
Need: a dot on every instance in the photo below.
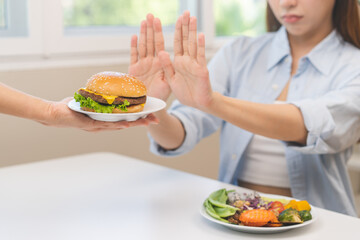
(112, 92)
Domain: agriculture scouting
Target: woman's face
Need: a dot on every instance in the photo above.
(303, 17)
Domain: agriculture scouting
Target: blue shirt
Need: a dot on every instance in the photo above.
(326, 89)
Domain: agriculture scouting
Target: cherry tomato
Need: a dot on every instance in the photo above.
(277, 207)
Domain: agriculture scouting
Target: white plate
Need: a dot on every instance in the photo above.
(152, 105)
(248, 229)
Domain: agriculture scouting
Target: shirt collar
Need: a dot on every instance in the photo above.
(322, 56)
(279, 48)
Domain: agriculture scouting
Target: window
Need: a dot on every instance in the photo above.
(234, 17)
(89, 17)
(125, 13)
(13, 18)
(21, 28)
(80, 26)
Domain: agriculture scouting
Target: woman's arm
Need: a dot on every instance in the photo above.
(145, 65)
(278, 121)
(188, 78)
(16, 103)
(169, 133)
(56, 114)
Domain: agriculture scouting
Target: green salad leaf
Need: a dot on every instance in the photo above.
(219, 198)
(211, 211)
(97, 107)
(215, 205)
(224, 211)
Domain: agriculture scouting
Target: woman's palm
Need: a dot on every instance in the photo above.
(149, 70)
(188, 75)
(190, 82)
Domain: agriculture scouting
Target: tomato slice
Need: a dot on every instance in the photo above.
(277, 207)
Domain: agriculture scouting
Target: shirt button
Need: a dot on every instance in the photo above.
(275, 86)
(233, 156)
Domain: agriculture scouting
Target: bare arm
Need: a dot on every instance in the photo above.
(169, 133)
(56, 114)
(19, 104)
(278, 121)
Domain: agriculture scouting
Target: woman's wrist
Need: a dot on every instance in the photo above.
(44, 113)
(214, 104)
(163, 117)
(169, 133)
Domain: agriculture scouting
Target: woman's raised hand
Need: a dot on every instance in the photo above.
(188, 75)
(144, 60)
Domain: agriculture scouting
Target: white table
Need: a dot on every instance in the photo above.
(109, 196)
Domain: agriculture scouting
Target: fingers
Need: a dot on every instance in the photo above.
(150, 119)
(159, 37)
(201, 59)
(97, 126)
(185, 38)
(166, 65)
(142, 40)
(133, 50)
(185, 32)
(193, 37)
(151, 39)
(150, 34)
(178, 48)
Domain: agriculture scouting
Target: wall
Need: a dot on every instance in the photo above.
(24, 141)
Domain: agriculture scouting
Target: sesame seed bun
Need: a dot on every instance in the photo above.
(116, 84)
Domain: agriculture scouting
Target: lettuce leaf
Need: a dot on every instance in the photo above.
(98, 107)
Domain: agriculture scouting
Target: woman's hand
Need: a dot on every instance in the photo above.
(188, 76)
(59, 115)
(144, 60)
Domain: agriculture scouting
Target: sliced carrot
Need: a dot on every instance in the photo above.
(256, 217)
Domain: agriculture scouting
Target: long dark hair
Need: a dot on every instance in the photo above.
(345, 18)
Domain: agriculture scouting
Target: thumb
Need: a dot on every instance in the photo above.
(166, 65)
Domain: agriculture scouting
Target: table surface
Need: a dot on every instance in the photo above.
(109, 196)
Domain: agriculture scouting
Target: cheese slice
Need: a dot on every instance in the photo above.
(109, 98)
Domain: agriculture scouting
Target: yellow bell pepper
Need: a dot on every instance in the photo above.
(298, 205)
(303, 205)
(291, 204)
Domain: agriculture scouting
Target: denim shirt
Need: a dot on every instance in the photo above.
(326, 89)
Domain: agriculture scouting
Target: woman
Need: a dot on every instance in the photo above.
(56, 114)
(287, 103)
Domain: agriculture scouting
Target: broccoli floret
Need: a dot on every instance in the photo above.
(305, 215)
(290, 215)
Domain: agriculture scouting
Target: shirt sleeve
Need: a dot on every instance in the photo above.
(332, 121)
(197, 125)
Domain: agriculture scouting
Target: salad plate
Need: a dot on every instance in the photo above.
(152, 105)
(261, 230)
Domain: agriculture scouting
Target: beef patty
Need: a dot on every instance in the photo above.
(118, 101)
